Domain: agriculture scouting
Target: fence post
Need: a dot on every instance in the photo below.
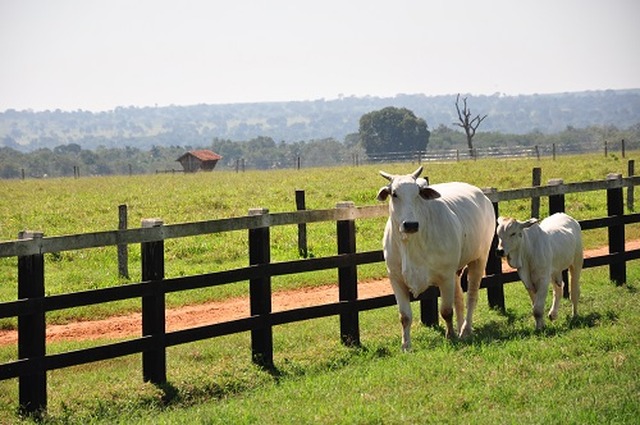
(154, 361)
(302, 227)
(260, 294)
(556, 204)
(622, 148)
(554, 151)
(605, 149)
(348, 281)
(631, 189)
(615, 208)
(32, 331)
(495, 292)
(536, 180)
(123, 249)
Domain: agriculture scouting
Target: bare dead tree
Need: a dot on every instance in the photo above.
(470, 125)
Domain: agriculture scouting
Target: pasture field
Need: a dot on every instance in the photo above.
(576, 371)
(68, 206)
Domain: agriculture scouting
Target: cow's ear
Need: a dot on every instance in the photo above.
(429, 193)
(529, 223)
(383, 193)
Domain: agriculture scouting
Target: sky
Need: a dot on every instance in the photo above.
(97, 55)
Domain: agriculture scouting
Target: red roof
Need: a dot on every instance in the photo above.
(203, 155)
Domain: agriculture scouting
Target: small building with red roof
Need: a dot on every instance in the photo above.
(203, 159)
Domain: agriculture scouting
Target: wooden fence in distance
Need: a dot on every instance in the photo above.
(33, 363)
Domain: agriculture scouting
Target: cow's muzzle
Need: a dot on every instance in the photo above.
(409, 226)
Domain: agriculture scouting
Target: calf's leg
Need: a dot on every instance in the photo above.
(558, 284)
(458, 303)
(542, 287)
(574, 287)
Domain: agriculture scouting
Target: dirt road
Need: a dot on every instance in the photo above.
(215, 312)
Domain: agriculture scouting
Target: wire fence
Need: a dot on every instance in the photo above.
(461, 154)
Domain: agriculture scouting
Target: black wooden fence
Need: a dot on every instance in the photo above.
(33, 363)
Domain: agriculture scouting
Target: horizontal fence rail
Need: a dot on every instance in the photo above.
(141, 235)
(30, 307)
(496, 152)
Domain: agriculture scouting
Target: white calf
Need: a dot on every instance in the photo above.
(540, 251)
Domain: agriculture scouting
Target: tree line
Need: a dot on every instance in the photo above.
(265, 153)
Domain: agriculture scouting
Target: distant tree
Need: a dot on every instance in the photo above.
(9, 170)
(393, 130)
(468, 124)
(351, 140)
(323, 152)
(443, 137)
(71, 148)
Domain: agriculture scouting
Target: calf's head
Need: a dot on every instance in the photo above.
(510, 233)
(405, 192)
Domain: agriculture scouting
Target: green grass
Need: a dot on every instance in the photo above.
(68, 206)
(576, 371)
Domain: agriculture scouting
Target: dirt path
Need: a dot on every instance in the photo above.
(215, 312)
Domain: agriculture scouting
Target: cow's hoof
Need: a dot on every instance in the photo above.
(466, 332)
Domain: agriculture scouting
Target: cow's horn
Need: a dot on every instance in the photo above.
(417, 173)
(386, 175)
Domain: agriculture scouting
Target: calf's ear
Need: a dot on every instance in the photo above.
(529, 222)
(383, 193)
(422, 181)
(428, 193)
(500, 220)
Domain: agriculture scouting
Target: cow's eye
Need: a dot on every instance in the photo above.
(394, 194)
(512, 235)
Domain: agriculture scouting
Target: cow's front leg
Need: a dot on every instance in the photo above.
(447, 293)
(404, 307)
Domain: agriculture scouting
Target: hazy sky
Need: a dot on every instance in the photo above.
(96, 54)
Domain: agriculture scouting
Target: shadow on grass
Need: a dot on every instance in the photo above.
(510, 326)
(591, 320)
(516, 327)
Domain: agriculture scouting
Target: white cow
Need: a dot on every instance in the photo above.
(432, 233)
(540, 251)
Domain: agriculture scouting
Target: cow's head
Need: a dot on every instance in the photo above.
(405, 192)
(509, 233)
